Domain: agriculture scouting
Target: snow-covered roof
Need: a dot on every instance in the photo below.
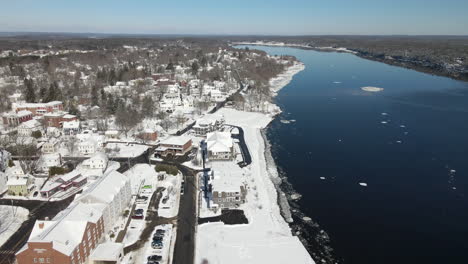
(69, 176)
(71, 124)
(33, 105)
(219, 141)
(108, 186)
(15, 181)
(98, 156)
(30, 124)
(107, 252)
(176, 140)
(67, 229)
(23, 113)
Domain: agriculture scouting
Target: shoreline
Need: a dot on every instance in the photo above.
(392, 62)
(314, 239)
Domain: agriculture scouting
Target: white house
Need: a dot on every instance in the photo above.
(87, 147)
(220, 146)
(207, 124)
(51, 146)
(217, 96)
(112, 189)
(71, 127)
(49, 160)
(27, 128)
(98, 161)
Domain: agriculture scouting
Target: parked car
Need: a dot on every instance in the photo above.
(157, 244)
(160, 231)
(154, 258)
(138, 214)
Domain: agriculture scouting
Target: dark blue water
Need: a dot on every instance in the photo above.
(415, 208)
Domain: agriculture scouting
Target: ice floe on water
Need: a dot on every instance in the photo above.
(322, 178)
(336, 82)
(363, 184)
(383, 122)
(398, 141)
(285, 121)
(384, 114)
(372, 89)
(402, 126)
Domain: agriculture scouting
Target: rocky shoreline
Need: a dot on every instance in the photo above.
(314, 239)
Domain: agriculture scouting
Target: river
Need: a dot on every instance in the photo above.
(407, 143)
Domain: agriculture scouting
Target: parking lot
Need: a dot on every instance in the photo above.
(158, 246)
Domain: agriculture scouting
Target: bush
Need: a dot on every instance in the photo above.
(36, 134)
(126, 213)
(169, 169)
(11, 163)
(57, 171)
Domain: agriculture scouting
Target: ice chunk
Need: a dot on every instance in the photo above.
(363, 184)
(383, 122)
(322, 178)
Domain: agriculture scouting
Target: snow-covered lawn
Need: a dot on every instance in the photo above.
(267, 238)
(11, 218)
(126, 150)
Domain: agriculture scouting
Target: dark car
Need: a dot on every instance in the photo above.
(160, 231)
(152, 262)
(156, 244)
(158, 238)
(154, 258)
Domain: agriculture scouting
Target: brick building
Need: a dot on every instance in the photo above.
(176, 145)
(39, 109)
(67, 239)
(14, 119)
(57, 119)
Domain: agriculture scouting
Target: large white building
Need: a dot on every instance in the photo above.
(114, 190)
(220, 146)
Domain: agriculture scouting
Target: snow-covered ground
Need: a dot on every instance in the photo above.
(11, 218)
(169, 203)
(267, 238)
(126, 150)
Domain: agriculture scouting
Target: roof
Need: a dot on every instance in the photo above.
(176, 140)
(107, 252)
(23, 113)
(14, 181)
(67, 229)
(70, 175)
(219, 141)
(30, 124)
(108, 186)
(71, 124)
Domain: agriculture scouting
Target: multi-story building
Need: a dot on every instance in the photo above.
(57, 119)
(207, 124)
(38, 109)
(220, 146)
(69, 238)
(14, 119)
(27, 128)
(176, 145)
(114, 191)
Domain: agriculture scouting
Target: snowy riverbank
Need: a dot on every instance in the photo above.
(268, 237)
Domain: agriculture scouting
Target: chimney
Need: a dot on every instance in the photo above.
(41, 225)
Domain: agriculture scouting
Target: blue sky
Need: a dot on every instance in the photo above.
(285, 17)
